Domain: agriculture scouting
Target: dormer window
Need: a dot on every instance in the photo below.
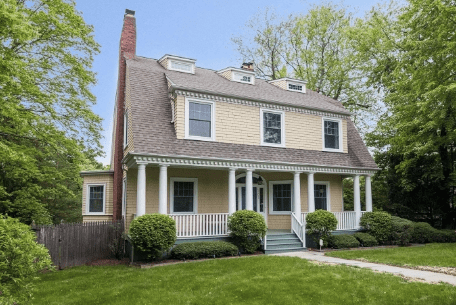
(290, 84)
(178, 63)
(243, 75)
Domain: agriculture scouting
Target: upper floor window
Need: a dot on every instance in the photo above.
(181, 66)
(294, 87)
(243, 78)
(272, 128)
(96, 198)
(199, 123)
(332, 135)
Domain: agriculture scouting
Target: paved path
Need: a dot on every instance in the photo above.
(427, 276)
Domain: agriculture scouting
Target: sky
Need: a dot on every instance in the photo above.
(199, 29)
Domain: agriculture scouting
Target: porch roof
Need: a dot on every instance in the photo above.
(153, 133)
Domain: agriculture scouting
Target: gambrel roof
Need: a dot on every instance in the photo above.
(153, 133)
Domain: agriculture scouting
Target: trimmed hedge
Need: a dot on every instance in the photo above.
(153, 234)
(365, 239)
(247, 228)
(343, 241)
(377, 224)
(204, 249)
(319, 224)
(401, 231)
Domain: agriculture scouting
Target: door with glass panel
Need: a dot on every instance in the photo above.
(258, 193)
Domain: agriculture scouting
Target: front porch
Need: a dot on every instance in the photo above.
(200, 195)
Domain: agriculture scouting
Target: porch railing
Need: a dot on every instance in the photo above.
(298, 229)
(345, 220)
(200, 225)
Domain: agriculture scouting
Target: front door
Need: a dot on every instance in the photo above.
(259, 196)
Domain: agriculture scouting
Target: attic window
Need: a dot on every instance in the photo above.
(243, 78)
(294, 87)
(181, 66)
(178, 63)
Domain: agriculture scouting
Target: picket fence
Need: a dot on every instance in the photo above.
(74, 244)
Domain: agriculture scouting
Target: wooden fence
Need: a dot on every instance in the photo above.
(73, 244)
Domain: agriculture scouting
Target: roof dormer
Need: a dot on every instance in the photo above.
(245, 74)
(178, 63)
(290, 84)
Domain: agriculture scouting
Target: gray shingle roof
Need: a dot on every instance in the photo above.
(154, 134)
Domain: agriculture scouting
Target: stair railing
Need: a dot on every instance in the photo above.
(298, 228)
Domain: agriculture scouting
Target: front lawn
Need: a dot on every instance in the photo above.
(247, 280)
(435, 255)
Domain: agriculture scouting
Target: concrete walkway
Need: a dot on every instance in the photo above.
(426, 276)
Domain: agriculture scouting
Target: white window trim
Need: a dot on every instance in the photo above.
(252, 77)
(282, 127)
(328, 193)
(296, 84)
(187, 117)
(341, 135)
(171, 194)
(88, 198)
(125, 131)
(271, 199)
(192, 65)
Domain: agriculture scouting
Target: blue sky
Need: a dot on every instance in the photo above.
(199, 29)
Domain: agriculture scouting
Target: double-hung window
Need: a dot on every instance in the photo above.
(184, 195)
(280, 197)
(96, 199)
(125, 129)
(332, 135)
(321, 195)
(272, 128)
(199, 123)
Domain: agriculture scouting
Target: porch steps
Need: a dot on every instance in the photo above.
(283, 242)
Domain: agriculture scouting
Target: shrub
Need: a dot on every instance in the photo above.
(443, 236)
(21, 257)
(153, 234)
(422, 232)
(365, 239)
(377, 224)
(401, 231)
(204, 249)
(247, 229)
(343, 241)
(320, 224)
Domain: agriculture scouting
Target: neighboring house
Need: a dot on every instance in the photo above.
(199, 144)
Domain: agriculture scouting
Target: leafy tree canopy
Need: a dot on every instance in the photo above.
(47, 128)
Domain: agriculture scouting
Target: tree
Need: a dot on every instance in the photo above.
(320, 47)
(416, 135)
(47, 128)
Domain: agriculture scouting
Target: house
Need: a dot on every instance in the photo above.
(199, 144)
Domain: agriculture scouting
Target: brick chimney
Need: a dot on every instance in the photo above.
(127, 49)
(247, 66)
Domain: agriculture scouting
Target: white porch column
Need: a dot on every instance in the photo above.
(141, 191)
(310, 192)
(368, 194)
(297, 194)
(232, 191)
(248, 190)
(357, 199)
(162, 189)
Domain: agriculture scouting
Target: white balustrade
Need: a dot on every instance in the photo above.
(298, 229)
(198, 225)
(345, 220)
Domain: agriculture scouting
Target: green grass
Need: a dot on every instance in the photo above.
(248, 280)
(435, 255)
